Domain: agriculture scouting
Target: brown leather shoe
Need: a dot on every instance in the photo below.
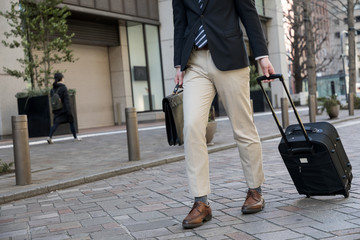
(199, 214)
(254, 202)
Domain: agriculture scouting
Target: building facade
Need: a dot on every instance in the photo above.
(124, 51)
(339, 42)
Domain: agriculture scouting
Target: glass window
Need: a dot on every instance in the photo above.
(145, 65)
(260, 6)
(154, 65)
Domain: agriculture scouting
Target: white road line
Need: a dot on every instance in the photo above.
(39, 142)
(340, 125)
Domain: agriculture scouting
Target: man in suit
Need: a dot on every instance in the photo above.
(209, 57)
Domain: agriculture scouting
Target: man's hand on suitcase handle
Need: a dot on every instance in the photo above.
(266, 67)
(269, 78)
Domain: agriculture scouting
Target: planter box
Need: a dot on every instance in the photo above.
(259, 101)
(40, 117)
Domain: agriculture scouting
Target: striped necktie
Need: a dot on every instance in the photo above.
(200, 39)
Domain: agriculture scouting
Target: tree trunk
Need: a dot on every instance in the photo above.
(310, 58)
(352, 62)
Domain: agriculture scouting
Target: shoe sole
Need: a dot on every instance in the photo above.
(189, 226)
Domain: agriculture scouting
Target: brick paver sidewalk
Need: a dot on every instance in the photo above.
(151, 203)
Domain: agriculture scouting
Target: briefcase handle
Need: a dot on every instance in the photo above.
(280, 77)
(176, 89)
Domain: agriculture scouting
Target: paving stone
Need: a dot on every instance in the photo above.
(111, 234)
(50, 215)
(258, 227)
(346, 237)
(43, 222)
(213, 232)
(153, 207)
(290, 220)
(83, 206)
(42, 229)
(81, 237)
(111, 225)
(219, 238)
(89, 229)
(312, 232)
(279, 235)
(334, 226)
(240, 236)
(175, 211)
(153, 215)
(8, 234)
(150, 225)
(151, 233)
(98, 214)
(6, 219)
(53, 237)
(96, 221)
(74, 217)
(63, 226)
(177, 236)
(346, 231)
(13, 226)
(275, 214)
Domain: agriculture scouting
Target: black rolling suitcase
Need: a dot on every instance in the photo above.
(313, 154)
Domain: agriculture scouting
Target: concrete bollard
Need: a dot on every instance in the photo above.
(312, 108)
(132, 134)
(276, 101)
(285, 112)
(21, 149)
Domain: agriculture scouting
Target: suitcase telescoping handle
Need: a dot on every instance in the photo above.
(280, 77)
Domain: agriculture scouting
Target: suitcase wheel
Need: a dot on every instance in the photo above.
(307, 196)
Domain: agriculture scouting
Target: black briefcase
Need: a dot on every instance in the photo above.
(174, 117)
(313, 154)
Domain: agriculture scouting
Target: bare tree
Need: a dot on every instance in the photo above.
(347, 7)
(310, 60)
(296, 36)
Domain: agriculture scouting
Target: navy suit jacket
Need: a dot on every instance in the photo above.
(220, 19)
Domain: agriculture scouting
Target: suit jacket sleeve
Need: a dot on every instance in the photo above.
(180, 23)
(250, 19)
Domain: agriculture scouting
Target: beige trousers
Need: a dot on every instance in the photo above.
(202, 79)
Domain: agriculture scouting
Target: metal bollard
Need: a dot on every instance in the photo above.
(285, 112)
(21, 149)
(312, 108)
(132, 134)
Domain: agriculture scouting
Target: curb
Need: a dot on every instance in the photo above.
(136, 166)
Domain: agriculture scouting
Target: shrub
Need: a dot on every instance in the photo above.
(357, 103)
(329, 102)
(6, 167)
